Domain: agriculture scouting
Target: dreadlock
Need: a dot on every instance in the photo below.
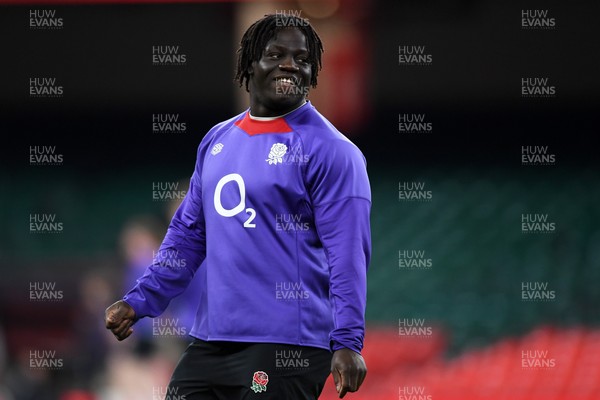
(260, 32)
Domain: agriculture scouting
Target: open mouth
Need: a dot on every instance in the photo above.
(286, 81)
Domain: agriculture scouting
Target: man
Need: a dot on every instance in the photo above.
(276, 222)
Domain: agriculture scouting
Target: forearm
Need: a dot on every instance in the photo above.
(168, 276)
(344, 230)
(180, 254)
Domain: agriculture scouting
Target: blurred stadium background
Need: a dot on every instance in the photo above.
(479, 337)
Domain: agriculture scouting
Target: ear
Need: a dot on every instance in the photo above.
(252, 66)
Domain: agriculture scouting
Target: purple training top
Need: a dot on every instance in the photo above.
(276, 222)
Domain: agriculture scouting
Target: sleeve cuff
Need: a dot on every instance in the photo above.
(355, 345)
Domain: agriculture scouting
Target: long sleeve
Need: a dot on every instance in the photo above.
(181, 253)
(341, 196)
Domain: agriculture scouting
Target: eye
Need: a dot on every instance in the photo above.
(273, 55)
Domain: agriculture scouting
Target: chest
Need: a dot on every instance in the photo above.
(264, 170)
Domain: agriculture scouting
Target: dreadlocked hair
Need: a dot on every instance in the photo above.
(260, 32)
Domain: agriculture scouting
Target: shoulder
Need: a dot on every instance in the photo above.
(214, 134)
(320, 136)
(222, 127)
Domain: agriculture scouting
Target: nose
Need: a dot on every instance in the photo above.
(288, 64)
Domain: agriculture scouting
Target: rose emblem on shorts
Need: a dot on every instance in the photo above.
(259, 381)
(276, 154)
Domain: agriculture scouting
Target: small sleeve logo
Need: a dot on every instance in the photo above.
(216, 149)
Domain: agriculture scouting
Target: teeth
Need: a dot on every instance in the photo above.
(286, 80)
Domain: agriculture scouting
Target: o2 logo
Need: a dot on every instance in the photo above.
(237, 178)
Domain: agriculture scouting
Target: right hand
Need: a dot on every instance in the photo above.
(119, 318)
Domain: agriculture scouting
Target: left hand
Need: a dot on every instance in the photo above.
(349, 370)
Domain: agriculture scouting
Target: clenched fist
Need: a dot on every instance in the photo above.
(119, 318)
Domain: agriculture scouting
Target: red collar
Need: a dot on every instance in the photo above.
(253, 127)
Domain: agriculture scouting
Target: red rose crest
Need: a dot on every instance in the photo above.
(259, 381)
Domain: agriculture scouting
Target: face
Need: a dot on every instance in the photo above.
(279, 81)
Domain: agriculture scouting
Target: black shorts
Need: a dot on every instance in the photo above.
(236, 371)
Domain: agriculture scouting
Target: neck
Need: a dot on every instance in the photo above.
(267, 118)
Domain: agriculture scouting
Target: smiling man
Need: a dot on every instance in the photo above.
(276, 222)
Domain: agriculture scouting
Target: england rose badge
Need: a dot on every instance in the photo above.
(276, 154)
(259, 381)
